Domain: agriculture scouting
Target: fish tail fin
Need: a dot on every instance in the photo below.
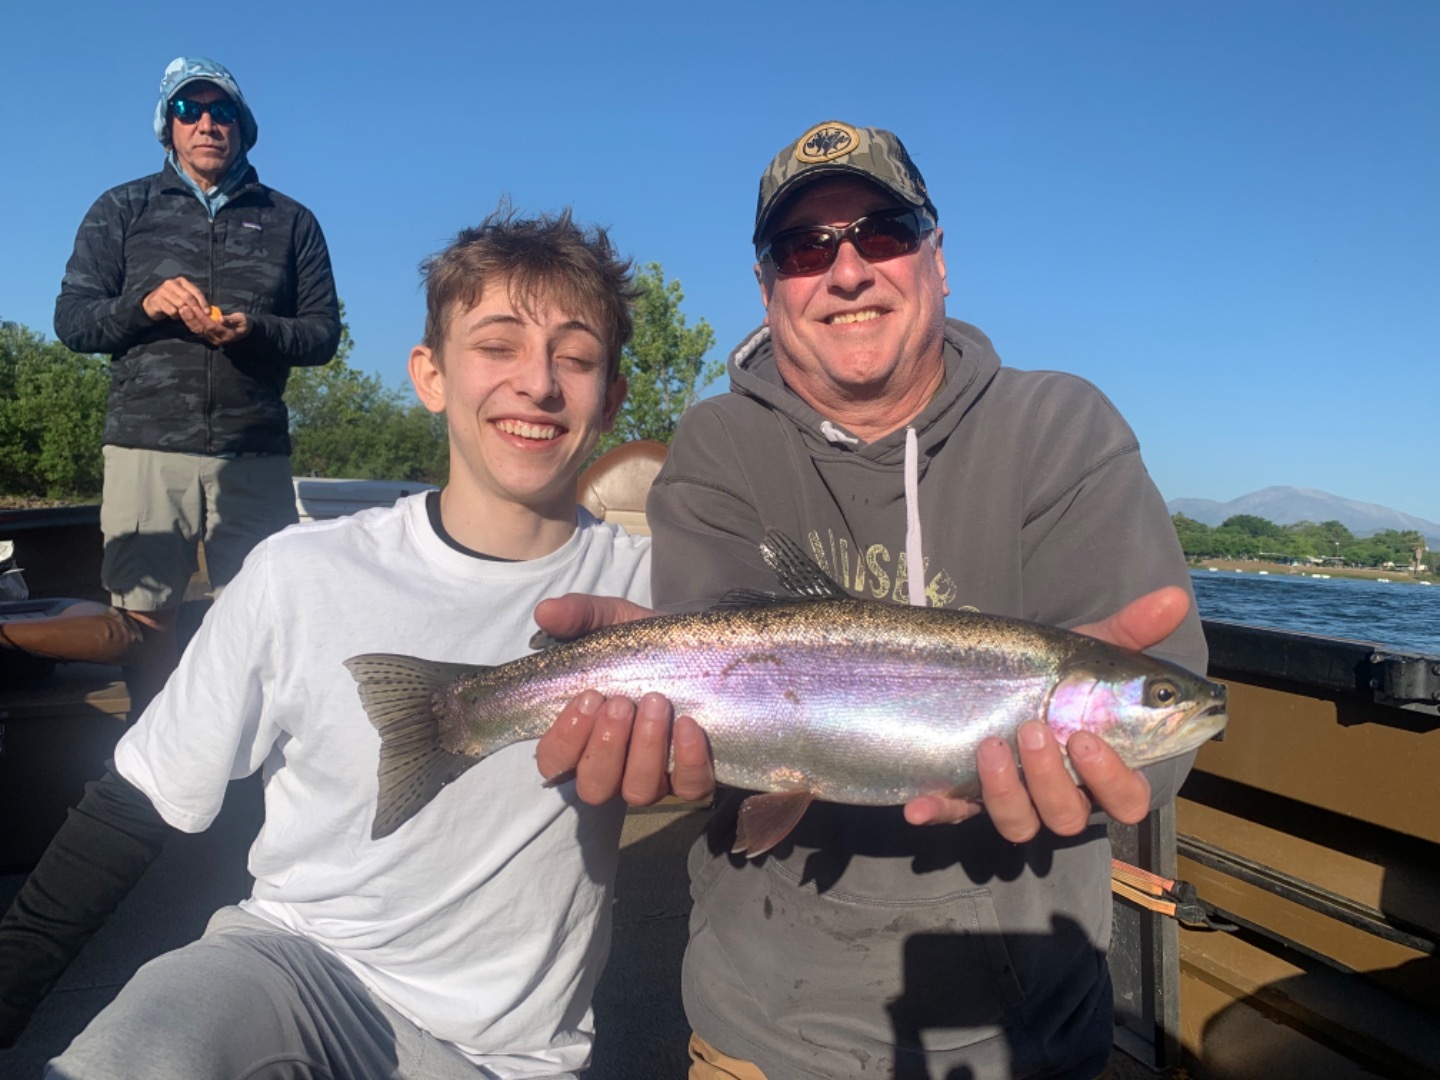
(397, 693)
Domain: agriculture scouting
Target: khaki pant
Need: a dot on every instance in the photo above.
(157, 506)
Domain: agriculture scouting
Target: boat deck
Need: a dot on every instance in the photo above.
(639, 1019)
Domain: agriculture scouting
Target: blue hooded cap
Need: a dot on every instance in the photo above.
(187, 69)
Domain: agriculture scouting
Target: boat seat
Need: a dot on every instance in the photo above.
(615, 486)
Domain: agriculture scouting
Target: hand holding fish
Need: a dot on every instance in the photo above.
(1047, 796)
(614, 747)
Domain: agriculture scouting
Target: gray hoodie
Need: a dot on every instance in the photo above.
(862, 946)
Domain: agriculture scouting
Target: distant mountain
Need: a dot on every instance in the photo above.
(1287, 505)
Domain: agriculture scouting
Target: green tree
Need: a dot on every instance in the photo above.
(346, 423)
(1195, 537)
(1253, 525)
(52, 416)
(664, 362)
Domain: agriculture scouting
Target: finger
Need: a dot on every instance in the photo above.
(561, 748)
(237, 322)
(1145, 621)
(1122, 792)
(939, 810)
(160, 303)
(190, 293)
(693, 777)
(602, 767)
(577, 614)
(1006, 799)
(1061, 805)
(198, 321)
(647, 761)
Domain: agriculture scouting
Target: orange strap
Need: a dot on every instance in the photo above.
(1174, 899)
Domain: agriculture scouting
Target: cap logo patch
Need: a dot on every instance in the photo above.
(826, 143)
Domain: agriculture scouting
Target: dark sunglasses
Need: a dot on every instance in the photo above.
(811, 249)
(189, 111)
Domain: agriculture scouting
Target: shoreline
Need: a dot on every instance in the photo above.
(1398, 576)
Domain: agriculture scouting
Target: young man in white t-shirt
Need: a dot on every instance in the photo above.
(468, 942)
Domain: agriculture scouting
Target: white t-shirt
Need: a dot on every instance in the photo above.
(486, 917)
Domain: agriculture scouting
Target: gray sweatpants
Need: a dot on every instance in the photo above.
(250, 1001)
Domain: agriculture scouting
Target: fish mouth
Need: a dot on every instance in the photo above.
(1206, 720)
(1197, 727)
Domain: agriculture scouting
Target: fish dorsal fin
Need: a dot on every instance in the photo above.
(739, 599)
(796, 571)
(767, 819)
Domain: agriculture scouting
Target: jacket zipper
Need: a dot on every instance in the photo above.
(214, 298)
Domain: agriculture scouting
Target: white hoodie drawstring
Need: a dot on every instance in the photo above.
(914, 553)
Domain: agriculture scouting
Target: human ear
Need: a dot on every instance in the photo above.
(940, 260)
(765, 288)
(428, 378)
(614, 398)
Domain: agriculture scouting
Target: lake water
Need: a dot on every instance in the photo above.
(1403, 617)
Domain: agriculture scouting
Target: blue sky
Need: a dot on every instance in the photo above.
(1226, 214)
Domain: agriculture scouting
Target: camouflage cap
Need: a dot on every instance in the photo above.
(835, 148)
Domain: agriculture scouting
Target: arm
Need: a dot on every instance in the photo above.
(208, 726)
(97, 311)
(1134, 591)
(1046, 795)
(216, 719)
(91, 865)
(707, 529)
(1117, 527)
(311, 335)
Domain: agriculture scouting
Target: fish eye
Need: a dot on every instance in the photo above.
(1161, 693)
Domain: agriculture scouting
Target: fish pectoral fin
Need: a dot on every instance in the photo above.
(562, 777)
(767, 819)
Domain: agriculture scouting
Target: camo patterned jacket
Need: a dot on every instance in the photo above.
(263, 254)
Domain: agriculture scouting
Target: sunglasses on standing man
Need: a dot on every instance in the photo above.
(188, 111)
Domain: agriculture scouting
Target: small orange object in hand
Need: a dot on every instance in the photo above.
(215, 313)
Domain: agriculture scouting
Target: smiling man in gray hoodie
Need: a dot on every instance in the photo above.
(917, 469)
(948, 937)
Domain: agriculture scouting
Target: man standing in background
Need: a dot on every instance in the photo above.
(205, 287)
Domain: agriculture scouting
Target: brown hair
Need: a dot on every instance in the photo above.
(545, 258)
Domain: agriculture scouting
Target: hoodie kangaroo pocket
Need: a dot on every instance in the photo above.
(847, 972)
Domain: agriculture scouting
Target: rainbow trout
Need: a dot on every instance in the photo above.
(810, 695)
